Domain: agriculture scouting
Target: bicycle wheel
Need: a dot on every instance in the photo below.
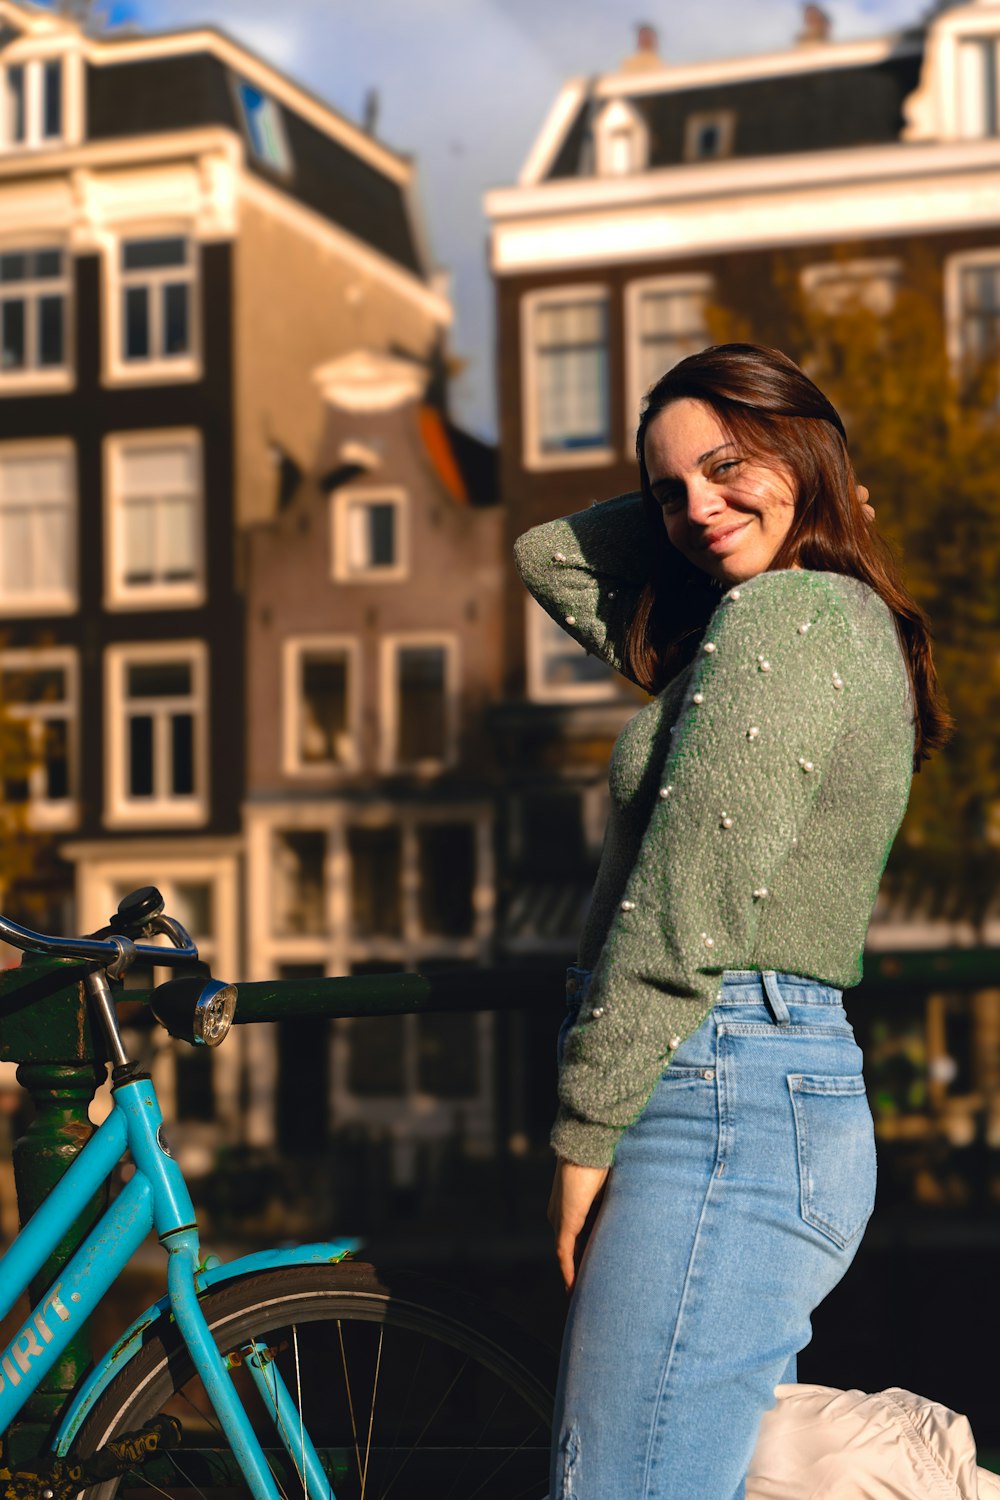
(403, 1389)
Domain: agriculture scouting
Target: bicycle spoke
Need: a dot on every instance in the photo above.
(371, 1414)
(452, 1412)
(173, 1459)
(206, 1416)
(278, 1423)
(423, 1429)
(350, 1398)
(298, 1397)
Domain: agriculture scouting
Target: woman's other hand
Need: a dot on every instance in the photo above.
(575, 1190)
(866, 505)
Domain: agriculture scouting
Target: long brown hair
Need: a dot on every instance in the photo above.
(772, 411)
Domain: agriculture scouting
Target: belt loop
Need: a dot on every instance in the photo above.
(776, 1005)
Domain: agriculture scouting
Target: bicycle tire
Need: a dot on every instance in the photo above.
(460, 1398)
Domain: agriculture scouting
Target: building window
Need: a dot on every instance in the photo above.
(559, 669)
(549, 830)
(34, 295)
(419, 706)
(666, 321)
(320, 705)
(709, 136)
(567, 417)
(446, 862)
(376, 855)
(447, 1048)
(157, 766)
(979, 293)
(844, 286)
(621, 139)
(155, 521)
(155, 303)
(31, 102)
(299, 891)
(263, 125)
(37, 529)
(977, 86)
(972, 313)
(38, 691)
(369, 535)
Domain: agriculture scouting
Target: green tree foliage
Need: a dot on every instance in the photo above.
(924, 432)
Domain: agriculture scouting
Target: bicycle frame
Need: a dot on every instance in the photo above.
(155, 1197)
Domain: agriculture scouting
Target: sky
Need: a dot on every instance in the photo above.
(464, 86)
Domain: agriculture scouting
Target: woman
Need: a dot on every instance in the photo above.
(710, 1086)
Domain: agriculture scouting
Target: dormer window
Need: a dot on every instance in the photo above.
(977, 86)
(621, 140)
(708, 136)
(31, 102)
(263, 126)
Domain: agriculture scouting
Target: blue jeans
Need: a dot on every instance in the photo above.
(736, 1202)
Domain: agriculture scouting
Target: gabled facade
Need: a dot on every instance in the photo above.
(656, 193)
(185, 236)
(373, 602)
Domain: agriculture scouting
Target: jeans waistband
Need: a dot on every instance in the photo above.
(746, 987)
(750, 987)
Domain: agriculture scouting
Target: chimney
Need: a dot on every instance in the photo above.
(371, 111)
(646, 55)
(815, 27)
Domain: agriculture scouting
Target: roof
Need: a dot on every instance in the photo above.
(175, 91)
(465, 465)
(804, 99)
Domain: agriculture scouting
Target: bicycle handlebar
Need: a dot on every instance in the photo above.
(113, 952)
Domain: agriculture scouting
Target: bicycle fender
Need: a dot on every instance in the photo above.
(110, 1365)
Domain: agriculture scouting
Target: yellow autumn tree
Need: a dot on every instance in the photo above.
(923, 425)
(25, 853)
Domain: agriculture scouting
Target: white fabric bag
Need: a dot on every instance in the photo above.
(823, 1444)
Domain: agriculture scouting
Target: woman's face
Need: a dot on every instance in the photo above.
(728, 514)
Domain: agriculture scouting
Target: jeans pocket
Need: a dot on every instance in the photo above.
(835, 1139)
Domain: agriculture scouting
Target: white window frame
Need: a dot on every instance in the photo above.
(120, 809)
(391, 645)
(100, 878)
(342, 501)
(685, 282)
(425, 1116)
(158, 367)
(879, 274)
(294, 650)
(953, 268)
(119, 595)
(943, 107)
(619, 125)
(32, 55)
(43, 813)
(534, 456)
(541, 647)
(58, 601)
(725, 122)
(41, 377)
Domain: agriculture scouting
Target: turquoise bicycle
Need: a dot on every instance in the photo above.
(294, 1371)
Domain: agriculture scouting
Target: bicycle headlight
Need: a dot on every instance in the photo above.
(195, 1009)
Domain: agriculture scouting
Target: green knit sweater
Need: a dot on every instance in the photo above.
(753, 804)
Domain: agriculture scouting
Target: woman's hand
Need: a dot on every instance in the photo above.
(574, 1193)
(866, 505)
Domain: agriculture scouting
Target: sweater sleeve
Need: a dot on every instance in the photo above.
(588, 570)
(741, 769)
